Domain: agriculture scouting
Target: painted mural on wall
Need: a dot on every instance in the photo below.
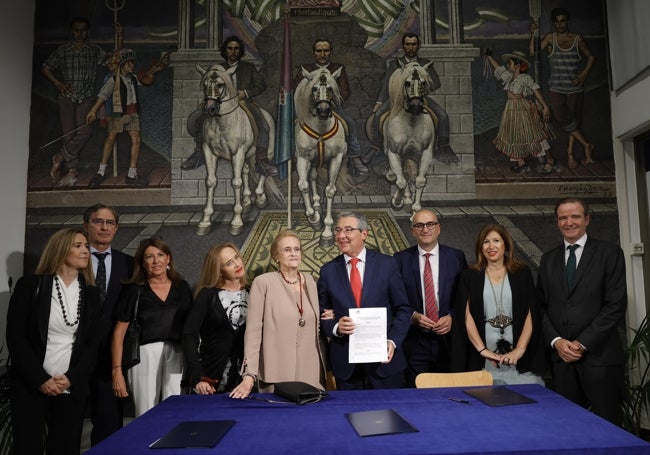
(460, 151)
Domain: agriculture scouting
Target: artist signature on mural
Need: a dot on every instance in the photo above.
(583, 188)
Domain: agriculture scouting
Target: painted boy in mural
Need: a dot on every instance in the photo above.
(122, 115)
(250, 83)
(72, 69)
(442, 150)
(322, 50)
(565, 51)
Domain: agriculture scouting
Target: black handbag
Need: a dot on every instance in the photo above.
(299, 392)
(131, 346)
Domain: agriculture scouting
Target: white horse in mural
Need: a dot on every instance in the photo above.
(409, 132)
(320, 141)
(228, 134)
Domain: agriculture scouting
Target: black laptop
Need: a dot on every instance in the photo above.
(203, 433)
(375, 423)
(498, 396)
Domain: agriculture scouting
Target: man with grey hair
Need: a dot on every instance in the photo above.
(362, 278)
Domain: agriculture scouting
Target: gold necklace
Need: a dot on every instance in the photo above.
(301, 321)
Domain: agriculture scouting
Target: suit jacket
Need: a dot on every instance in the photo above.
(464, 357)
(593, 308)
(400, 62)
(272, 330)
(382, 287)
(451, 262)
(121, 270)
(342, 80)
(248, 78)
(27, 330)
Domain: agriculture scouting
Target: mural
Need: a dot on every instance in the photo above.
(175, 46)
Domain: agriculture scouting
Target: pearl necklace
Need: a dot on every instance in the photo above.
(60, 298)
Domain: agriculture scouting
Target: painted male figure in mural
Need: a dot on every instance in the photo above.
(249, 83)
(72, 68)
(322, 50)
(442, 150)
(565, 50)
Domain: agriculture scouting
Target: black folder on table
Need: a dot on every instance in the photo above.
(202, 433)
(498, 396)
(374, 423)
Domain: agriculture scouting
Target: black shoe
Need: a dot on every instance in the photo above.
(96, 180)
(445, 154)
(356, 166)
(194, 161)
(264, 167)
(138, 180)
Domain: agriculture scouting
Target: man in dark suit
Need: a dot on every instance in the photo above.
(582, 287)
(101, 224)
(426, 346)
(379, 284)
(249, 83)
(322, 49)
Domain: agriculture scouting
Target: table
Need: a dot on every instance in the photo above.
(553, 424)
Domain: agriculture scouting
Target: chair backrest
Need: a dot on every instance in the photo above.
(469, 378)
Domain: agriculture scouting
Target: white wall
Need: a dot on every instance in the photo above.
(16, 44)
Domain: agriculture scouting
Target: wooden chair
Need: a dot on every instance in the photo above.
(469, 378)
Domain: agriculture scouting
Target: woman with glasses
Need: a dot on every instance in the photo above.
(52, 335)
(498, 324)
(163, 299)
(217, 322)
(282, 341)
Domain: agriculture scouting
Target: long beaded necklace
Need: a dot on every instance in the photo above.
(60, 298)
(301, 321)
(501, 320)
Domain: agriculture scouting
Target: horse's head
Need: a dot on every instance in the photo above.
(323, 90)
(217, 86)
(411, 85)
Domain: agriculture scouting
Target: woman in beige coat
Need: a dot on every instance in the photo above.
(282, 341)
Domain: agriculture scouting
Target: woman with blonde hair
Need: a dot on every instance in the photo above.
(52, 327)
(213, 335)
(498, 313)
(282, 341)
(162, 298)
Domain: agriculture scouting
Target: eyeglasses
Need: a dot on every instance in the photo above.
(101, 222)
(430, 225)
(347, 230)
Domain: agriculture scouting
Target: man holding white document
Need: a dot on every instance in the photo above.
(365, 290)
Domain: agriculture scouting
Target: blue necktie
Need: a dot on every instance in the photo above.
(571, 265)
(100, 278)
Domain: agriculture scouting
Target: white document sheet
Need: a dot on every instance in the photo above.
(368, 342)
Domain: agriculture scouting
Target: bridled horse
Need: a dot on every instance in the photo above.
(409, 132)
(320, 141)
(228, 134)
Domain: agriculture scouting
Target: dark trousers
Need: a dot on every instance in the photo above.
(567, 109)
(106, 410)
(425, 352)
(599, 388)
(73, 115)
(31, 411)
(365, 377)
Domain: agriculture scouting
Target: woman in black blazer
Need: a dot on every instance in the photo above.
(498, 319)
(52, 324)
(217, 322)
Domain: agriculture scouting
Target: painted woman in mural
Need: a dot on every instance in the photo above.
(523, 132)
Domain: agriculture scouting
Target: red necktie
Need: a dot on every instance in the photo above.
(430, 302)
(355, 281)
